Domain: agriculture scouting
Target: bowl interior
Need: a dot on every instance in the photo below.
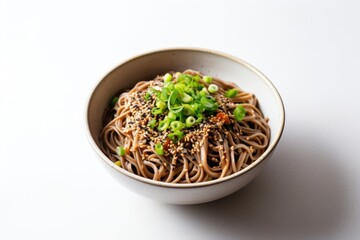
(227, 68)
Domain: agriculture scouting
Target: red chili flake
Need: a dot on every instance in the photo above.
(222, 117)
(166, 144)
(127, 150)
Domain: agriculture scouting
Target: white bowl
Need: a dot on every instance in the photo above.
(208, 62)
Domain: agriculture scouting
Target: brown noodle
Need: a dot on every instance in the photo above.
(209, 150)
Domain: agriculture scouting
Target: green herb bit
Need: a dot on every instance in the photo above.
(120, 151)
(176, 136)
(204, 92)
(186, 98)
(176, 108)
(239, 112)
(171, 115)
(200, 118)
(167, 77)
(195, 106)
(196, 78)
(147, 96)
(208, 103)
(188, 110)
(159, 149)
(152, 123)
(231, 93)
(114, 101)
(207, 79)
(181, 77)
(180, 87)
(157, 111)
(213, 88)
(149, 93)
(176, 126)
(173, 98)
(161, 104)
(163, 125)
(190, 121)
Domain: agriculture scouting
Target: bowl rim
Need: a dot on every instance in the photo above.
(267, 152)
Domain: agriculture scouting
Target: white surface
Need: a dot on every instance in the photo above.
(51, 54)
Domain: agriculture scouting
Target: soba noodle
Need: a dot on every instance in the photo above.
(212, 148)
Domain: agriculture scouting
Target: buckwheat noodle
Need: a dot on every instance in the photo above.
(209, 150)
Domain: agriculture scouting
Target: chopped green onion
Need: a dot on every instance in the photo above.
(176, 136)
(196, 78)
(147, 96)
(204, 92)
(231, 93)
(185, 78)
(176, 125)
(188, 110)
(172, 98)
(239, 112)
(171, 115)
(118, 163)
(208, 103)
(183, 102)
(200, 117)
(176, 109)
(120, 151)
(159, 149)
(157, 111)
(181, 77)
(152, 123)
(195, 107)
(207, 79)
(163, 125)
(190, 121)
(180, 87)
(149, 93)
(186, 98)
(114, 101)
(167, 77)
(164, 94)
(161, 104)
(213, 88)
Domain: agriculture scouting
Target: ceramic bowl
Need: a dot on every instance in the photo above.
(208, 62)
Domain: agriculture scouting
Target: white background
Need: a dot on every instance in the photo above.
(52, 53)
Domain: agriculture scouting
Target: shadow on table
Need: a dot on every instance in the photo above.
(299, 194)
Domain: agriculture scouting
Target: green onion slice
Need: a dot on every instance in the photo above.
(157, 111)
(208, 103)
(163, 125)
(147, 96)
(176, 125)
(159, 149)
(188, 110)
(207, 79)
(171, 115)
(152, 123)
(190, 121)
(231, 93)
(120, 151)
(167, 77)
(239, 112)
(204, 92)
(176, 136)
(186, 98)
(213, 88)
(114, 101)
(161, 104)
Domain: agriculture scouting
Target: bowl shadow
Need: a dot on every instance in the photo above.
(299, 195)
